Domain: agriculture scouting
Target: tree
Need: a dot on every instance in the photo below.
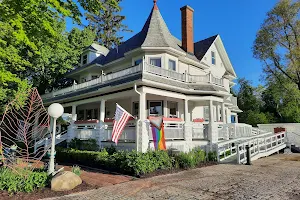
(250, 102)
(277, 43)
(107, 24)
(33, 41)
(283, 102)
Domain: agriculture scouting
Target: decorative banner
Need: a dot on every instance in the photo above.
(158, 133)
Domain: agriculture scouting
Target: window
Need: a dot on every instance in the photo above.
(155, 108)
(137, 62)
(172, 65)
(213, 58)
(80, 115)
(155, 62)
(94, 77)
(173, 109)
(83, 79)
(206, 113)
(89, 113)
(84, 59)
(95, 113)
(135, 109)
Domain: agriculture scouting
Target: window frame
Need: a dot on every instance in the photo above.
(137, 62)
(149, 106)
(213, 58)
(83, 59)
(169, 109)
(133, 108)
(175, 65)
(156, 58)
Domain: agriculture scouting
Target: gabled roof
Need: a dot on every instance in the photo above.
(98, 48)
(202, 46)
(155, 33)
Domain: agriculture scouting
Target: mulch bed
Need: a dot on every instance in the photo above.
(172, 171)
(91, 179)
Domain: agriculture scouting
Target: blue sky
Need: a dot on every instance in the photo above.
(237, 22)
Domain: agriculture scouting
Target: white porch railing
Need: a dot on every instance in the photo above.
(199, 131)
(261, 147)
(172, 130)
(164, 72)
(128, 134)
(87, 131)
(146, 68)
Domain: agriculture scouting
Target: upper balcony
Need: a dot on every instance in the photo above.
(146, 70)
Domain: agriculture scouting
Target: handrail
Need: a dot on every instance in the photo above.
(143, 67)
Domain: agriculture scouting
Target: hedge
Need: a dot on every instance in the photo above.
(132, 162)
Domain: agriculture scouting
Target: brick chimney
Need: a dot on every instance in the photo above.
(187, 28)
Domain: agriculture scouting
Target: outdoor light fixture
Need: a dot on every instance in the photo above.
(55, 110)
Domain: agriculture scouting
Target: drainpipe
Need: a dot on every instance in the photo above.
(137, 122)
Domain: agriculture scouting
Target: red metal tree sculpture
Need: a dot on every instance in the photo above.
(23, 124)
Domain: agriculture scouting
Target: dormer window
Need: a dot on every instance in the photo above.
(84, 59)
(137, 62)
(213, 58)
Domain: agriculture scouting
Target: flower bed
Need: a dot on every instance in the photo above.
(135, 163)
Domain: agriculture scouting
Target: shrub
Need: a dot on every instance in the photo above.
(88, 145)
(22, 180)
(76, 170)
(132, 162)
(212, 156)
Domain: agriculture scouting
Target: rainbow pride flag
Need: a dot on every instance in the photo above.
(159, 138)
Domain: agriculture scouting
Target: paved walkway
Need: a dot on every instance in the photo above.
(274, 177)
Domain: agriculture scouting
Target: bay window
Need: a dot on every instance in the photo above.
(155, 61)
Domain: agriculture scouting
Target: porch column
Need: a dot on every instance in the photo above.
(71, 127)
(102, 110)
(218, 112)
(74, 115)
(188, 129)
(236, 119)
(186, 111)
(142, 136)
(213, 129)
(223, 113)
(165, 108)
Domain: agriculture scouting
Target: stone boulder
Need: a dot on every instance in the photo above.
(65, 181)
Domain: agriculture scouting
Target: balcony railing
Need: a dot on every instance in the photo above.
(147, 68)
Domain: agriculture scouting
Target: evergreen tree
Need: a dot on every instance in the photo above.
(107, 24)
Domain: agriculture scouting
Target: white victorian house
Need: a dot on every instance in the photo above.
(154, 74)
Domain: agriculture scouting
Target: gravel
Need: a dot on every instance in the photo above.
(274, 177)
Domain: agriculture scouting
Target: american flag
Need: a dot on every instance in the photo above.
(121, 119)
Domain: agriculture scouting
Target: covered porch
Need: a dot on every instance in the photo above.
(189, 121)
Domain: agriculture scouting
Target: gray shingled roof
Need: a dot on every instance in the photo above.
(155, 33)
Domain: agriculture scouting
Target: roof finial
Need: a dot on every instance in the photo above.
(155, 5)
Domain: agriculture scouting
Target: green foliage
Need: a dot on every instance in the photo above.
(35, 48)
(22, 180)
(212, 156)
(108, 24)
(88, 145)
(277, 42)
(133, 163)
(76, 170)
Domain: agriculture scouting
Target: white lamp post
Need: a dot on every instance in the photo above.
(55, 110)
